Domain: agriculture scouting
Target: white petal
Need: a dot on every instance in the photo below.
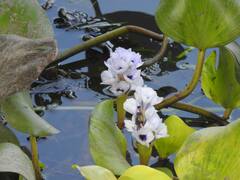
(129, 125)
(161, 131)
(119, 88)
(107, 78)
(130, 105)
(144, 136)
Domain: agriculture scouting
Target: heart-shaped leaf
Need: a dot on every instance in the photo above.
(200, 23)
(142, 173)
(178, 132)
(19, 113)
(210, 153)
(95, 172)
(108, 145)
(24, 18)
(6, 135)
(13, 159)
(220, 84)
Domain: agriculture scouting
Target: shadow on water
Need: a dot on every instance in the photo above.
(75, 85)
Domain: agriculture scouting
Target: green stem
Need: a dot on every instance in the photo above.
(198, 110)
(190, 87)
(35, 160)
(144, 153)
(120, 110)
(105, 37)
(227, 114)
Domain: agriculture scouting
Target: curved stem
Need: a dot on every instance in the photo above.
(35, 160)
(190, 87)
(198, 110)
(105, 37)
(159, 55)
(227, 114)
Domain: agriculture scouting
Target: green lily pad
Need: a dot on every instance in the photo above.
(141, 172)
(19, 113)
(6, 135)
(13, 159)
(24, 18)
(210, 153)
(95, 172)
(221, 84)
(200, 23)
(178, 132)
(108, 145)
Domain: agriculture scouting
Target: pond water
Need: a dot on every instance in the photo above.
(81, 74)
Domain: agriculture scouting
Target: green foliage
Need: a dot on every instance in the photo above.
(221, 84)
(6, 135)
(19, 113)
(25, 18)
(95, 172)
(200, 23)
(13, 159)
(210, 153)
(144, 153)
(178, 132)
(142, 173)
(108, 145)
(134, 173)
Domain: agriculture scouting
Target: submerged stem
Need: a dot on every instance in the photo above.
(35, 160)
(159, 55)
(227, 114)
(190, 87)
(105, 37)
(120, 110)
(198, 110)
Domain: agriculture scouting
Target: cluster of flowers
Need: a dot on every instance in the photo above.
(123, 76)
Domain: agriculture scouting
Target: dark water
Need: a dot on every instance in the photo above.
(71, 117)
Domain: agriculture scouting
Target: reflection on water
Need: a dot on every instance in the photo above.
(80, 76)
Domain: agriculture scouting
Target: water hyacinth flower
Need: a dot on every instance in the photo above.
(122, 74)
(145, 125)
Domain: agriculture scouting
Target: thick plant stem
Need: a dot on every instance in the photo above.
(190, 87)
(35, 160)
(159, 55)
(105, 37)
(120, 110)
(198, 110)
(144, 153)
(227, 114)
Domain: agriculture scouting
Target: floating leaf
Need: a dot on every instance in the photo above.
(24, 18)
(30, 49)
(12, 159)
(178, 132)
(166, 171)
(142, 173)
(220, 84)
(95, 172)
(19, 113)
(108, 145)
(210, 153)
(200, 23)
(6, 135)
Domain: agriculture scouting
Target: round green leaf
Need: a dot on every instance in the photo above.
(108, 145)
(95, 172)
(221, 84)
(13, 159)
(200, 23)
(25, 18)
(6, 135)
(178, 132)
(143, 173)
(19, 113)
(211, 153)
